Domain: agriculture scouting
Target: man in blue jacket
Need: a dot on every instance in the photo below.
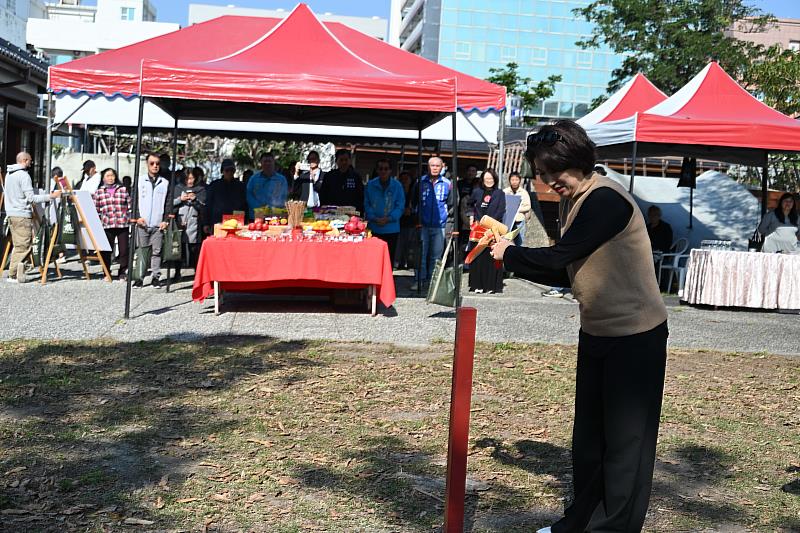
(434, 199)
(384, 203)
(266, 187)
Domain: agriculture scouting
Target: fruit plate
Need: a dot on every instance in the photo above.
(321, 231)
(230, 231)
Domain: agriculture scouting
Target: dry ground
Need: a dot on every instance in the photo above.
(254, 434)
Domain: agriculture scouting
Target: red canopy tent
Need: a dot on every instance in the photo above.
(636, 96)
(711, 117)
(291, 70)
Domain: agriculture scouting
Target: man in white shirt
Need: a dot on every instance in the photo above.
(154, 208)
(306, 186)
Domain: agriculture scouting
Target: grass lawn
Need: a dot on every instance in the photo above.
(253, 434)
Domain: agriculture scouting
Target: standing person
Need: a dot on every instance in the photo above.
(433, 200)
(384, 203)
(165, 166)
(190, 207)
(343, 185)
(783, 216)
(524, 211)
(154, 205)
(224, 196)
(113, 204)
(622, 348)
(127, 182)
(466, 206)
(488, 200)
(406, 237)
(307, 185)
(90, 179)
(266, 187)
(17, 201)
(658, 231)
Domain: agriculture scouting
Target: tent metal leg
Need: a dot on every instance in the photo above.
(419, 211)
(134, 208)
(633, 168)
(691, 206)
(456, 221)
(172, 180)
(765, 185)
(48, 142)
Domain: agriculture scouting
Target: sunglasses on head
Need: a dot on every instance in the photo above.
(548, 138)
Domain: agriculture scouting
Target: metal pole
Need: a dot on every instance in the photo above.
(501, 146)
(456, 223)
(633, 168)
(171, 191)
(764, 185)
(5, 140)
(691, 206)
(419, 210)
(116, 149)
(49, 142)
(134, 208)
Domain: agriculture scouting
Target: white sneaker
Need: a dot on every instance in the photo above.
(544, 530)
(11, 280)
(553, 293)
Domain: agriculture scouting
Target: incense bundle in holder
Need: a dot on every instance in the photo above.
(294, 212)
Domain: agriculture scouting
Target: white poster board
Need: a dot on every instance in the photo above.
(86, 203)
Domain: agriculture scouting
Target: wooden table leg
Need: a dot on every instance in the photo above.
(373, 289)
(216, 297)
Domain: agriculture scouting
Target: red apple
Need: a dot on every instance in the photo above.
(259, 226)
(251, 226)
(354, 219)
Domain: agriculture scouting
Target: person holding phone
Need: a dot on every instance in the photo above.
(190, 204)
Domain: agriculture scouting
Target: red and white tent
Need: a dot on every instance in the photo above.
(302, 70)
(637, 95)
(711, 117)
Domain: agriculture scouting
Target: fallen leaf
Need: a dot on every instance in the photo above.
(14, 511)
(266, 443)
(224, 498)
(106, 510)
(159, 503)
(15, 470)
(186, 500)
(77, 509)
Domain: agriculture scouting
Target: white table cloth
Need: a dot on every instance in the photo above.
(743, 279)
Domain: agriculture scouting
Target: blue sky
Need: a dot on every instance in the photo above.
(177, 10)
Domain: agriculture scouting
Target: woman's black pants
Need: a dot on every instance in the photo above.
(619, 385)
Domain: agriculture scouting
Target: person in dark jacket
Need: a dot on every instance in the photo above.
(343, 185)
(307, 185)
(190, 208)
(488, 200)
(433, 201)
(660, 232)
(224, 196)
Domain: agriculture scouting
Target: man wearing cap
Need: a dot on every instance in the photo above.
(224, 196)
(154, 207)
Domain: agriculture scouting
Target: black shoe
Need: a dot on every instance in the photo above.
(156, 282)
(176, 277)
(123, 278)
(138, 283)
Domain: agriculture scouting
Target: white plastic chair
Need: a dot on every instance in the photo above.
(675, 263)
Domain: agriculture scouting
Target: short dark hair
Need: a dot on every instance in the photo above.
(312, 152)
(198, 174)
(266, 154)
(152, 154)
(515, 173)
(343, 151)
(57, 172)
(561, 146)
(472, 165)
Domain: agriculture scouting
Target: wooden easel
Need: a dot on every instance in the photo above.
(9, 245)
(65, 187)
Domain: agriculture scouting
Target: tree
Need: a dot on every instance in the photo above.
(521, 86)
(672, 40)
(246, 152)
(775, 76)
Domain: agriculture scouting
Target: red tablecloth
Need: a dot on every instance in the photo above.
(241, 265)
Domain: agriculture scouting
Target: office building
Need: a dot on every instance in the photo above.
(374, 26)
(785, 32)
(473, 36)
(70, 29)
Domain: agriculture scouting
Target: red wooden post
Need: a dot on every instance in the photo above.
(458, 441)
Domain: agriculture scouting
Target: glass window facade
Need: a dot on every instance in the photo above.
(539, 35)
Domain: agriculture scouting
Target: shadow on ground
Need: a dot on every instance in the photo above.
(94, 423)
